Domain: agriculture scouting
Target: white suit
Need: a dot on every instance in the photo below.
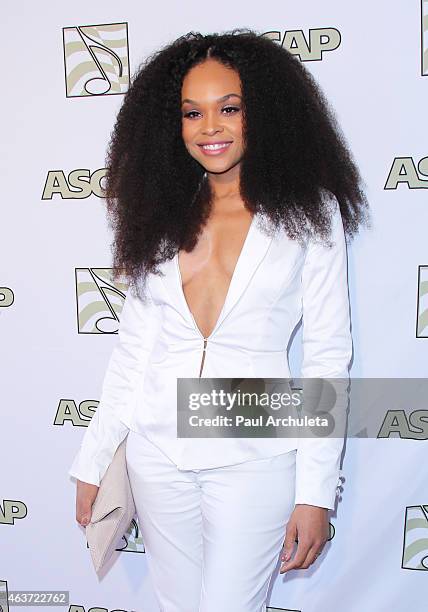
(276, 281)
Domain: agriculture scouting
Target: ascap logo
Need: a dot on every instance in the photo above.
(424, 37)
(4, 597)
(99, 301)
(78, 185)
(295, 41)
(412, 426)
(132, 540)
(422, 306)
(80, 416)
(6, 297)
(403, 170)
(415, 541)
(11, 510)
(96, 59)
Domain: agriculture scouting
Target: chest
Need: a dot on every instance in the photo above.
(207, 271)
(264, 283)
(216, 253)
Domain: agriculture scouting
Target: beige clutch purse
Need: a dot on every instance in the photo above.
(112, 510)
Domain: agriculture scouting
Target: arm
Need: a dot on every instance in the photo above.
(327, 351)
(139, 324)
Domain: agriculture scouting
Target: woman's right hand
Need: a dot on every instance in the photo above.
(85, 497)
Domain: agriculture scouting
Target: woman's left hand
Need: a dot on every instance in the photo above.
(309, 525)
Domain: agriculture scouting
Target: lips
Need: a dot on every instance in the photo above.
(214, 148)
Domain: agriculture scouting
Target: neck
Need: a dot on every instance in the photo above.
(224, 185)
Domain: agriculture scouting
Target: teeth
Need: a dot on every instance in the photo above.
(215, 146)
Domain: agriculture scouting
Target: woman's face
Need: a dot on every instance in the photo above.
(212, 113)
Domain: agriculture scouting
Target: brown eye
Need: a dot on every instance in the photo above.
(189, 113)
(232, 108)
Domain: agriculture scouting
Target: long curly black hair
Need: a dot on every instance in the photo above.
(156, 196)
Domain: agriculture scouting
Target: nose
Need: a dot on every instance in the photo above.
(211, 124)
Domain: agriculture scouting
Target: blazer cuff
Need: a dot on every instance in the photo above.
(318, 476)
(96, 451)
(88, 473)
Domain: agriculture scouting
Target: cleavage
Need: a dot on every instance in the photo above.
(207, 271)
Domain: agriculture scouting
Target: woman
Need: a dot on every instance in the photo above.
(216, 134)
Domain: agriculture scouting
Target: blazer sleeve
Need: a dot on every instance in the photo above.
(138, 327)
(327, 351)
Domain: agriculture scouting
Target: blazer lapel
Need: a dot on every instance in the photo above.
(252, 254)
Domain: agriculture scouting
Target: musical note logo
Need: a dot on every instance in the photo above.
(422, 307)
(4, 597)
(99, 301)
(415, 547)
(132, 539)
(96, 59)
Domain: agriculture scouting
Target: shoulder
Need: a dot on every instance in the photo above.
(335, 234)
(330, 203)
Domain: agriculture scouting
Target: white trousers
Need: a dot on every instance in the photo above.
(212, 536)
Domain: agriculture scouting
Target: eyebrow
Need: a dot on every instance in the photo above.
(218, 100)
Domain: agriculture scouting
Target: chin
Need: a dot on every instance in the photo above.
(219, 166)
(218, 170)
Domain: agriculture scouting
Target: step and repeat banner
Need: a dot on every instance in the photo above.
(66, 70)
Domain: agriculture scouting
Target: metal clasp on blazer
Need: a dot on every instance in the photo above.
(203, 356)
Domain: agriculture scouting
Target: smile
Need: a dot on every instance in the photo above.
(215, 149)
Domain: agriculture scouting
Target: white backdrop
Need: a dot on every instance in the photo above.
(53, 359)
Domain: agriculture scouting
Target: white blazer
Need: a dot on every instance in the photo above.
(276, 282)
